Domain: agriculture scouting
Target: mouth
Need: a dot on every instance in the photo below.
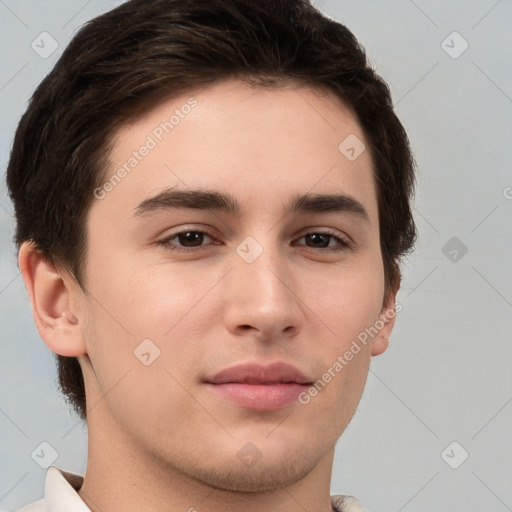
(259, 387)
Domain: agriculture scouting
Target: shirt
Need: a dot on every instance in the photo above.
(60, 495)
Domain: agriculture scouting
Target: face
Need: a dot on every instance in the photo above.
(182, 287)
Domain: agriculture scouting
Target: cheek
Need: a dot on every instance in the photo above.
(134, 325)
(173, 301)
(162, 310)
(346, 302)
(150, 300)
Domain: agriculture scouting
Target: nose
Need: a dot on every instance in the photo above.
(262, 297)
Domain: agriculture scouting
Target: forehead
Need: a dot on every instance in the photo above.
(260, 144)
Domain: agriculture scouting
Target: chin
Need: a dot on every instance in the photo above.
(262, 476)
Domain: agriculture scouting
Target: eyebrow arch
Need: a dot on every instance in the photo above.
(225, 202)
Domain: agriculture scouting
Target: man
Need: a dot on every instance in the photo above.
(212, 199)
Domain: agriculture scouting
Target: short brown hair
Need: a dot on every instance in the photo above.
(121, 61)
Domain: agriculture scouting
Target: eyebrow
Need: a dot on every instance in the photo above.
(227, 203)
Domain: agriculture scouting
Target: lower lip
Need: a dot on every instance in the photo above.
(260, 397)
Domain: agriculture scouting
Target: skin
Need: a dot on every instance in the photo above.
(158, 438)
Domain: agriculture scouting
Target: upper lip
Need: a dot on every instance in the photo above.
(256, 373)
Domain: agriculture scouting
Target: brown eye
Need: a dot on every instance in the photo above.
(184, 240)
(322, 241)
(194, 238)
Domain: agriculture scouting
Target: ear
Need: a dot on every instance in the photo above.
(50, 295)
(387, 321)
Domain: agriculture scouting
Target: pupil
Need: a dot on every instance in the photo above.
(319, 236)
(191, 236)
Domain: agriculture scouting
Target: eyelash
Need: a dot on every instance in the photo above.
(344, 244)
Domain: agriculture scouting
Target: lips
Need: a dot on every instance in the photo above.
(259, 387)
(254, 373)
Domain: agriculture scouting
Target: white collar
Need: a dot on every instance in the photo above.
(60, 491)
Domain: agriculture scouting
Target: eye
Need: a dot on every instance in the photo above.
(322, 241)
(192, 240)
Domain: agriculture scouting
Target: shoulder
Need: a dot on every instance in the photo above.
(346, 504)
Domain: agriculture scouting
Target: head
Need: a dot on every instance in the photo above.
(250, 103)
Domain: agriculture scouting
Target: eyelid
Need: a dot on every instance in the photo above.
(325, 231)
(165, 240)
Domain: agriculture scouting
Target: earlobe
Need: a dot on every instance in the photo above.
(380, 344)
(386, 324)
(50, 298)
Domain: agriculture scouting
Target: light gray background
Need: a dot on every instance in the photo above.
(447, 374)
